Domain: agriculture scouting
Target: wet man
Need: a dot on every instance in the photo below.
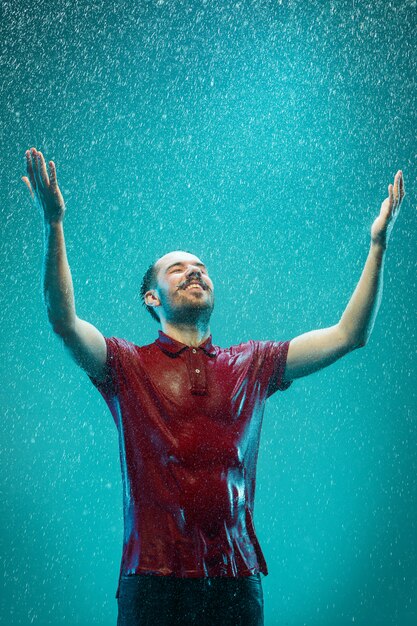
(189, 415)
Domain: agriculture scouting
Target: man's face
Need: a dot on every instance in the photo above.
(184, 290)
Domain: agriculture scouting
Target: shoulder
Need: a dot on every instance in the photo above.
(237, 353)
(118, 346)
(257, 348)
(237, 348)
(253, 345)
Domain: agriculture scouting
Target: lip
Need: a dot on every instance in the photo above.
(193, 285)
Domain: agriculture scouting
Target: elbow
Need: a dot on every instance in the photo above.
(60, 327)
(361, 343)
(350, 340)
(57, 328)
(353, 343)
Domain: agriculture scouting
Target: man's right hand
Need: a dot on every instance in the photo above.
(44, 190)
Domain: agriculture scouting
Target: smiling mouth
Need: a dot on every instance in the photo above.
(190, 285)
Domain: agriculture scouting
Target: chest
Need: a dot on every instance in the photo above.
(197, 409)
(195, 383)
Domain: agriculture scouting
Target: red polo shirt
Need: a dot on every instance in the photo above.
(189, 422)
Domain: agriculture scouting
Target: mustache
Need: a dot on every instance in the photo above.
(194, 281)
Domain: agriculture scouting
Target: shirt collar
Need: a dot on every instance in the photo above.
(168, 344)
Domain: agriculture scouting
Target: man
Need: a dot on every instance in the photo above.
(189, 417)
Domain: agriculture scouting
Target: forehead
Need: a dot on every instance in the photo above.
(178, 256)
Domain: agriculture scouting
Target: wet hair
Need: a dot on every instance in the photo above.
(149, 281)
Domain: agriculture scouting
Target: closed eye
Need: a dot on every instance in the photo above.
(180, 270)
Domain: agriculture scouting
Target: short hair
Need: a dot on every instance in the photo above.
(149, 281)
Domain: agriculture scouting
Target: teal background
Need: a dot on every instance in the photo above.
(262, 136)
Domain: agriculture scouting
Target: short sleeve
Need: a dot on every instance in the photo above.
(273, 358)
(119, 352)
(108, 386)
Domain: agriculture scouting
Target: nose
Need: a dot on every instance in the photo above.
(194, 269)
(193, 273)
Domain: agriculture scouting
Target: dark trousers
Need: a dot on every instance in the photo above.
(151, 600)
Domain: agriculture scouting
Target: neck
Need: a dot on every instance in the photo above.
(190, 335)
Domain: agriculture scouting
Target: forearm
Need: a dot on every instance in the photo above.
(58, 291)
(359, 316)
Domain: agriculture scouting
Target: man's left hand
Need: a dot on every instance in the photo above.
(390, 208)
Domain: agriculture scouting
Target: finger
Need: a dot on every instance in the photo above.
(38, 180)
(29, 168)
(396, 187)
(42, 169)
(402, 190)
(52, 175)
(28, 185)
(391, 198)
(396, 192)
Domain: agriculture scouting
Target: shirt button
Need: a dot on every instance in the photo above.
(197, 371)
(194, 350)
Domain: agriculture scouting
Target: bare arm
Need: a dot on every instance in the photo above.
(58, 291)
(359, 316)
(316, 349)
(85, 343)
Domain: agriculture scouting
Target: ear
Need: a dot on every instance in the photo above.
(151, 298)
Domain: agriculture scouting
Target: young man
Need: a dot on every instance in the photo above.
(189, 417)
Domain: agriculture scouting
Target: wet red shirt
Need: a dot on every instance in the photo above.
(189, 423)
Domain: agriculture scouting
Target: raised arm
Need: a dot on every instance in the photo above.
(85, 343)
(316, 349)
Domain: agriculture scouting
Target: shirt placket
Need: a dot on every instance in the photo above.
(197, 371)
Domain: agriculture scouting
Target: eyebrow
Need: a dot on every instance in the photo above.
(181, 263)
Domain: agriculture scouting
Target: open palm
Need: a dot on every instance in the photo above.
(44, 189)
(390, 208)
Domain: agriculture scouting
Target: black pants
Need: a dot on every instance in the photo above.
(151, 600)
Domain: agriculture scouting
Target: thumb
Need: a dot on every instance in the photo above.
(28, 185)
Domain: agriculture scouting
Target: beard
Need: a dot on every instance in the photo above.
(183, 309)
